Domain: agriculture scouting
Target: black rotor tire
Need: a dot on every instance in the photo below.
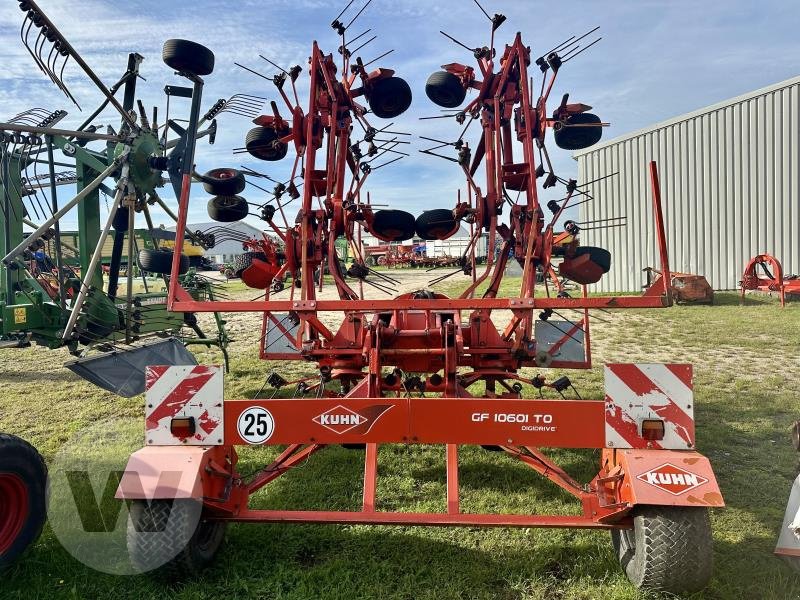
(228, 209)
(242, 261)
(177, 550)
(188, 57)
(668, 550)
(120, 222)
(24, 471)
(262, 143)
(394, 225)
(578, 138)
(600, 256)
(437, 224)
(224, 182)
(445, 89)
(389, 97)
(160, 261)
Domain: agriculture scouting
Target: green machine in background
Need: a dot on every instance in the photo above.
(62, 293)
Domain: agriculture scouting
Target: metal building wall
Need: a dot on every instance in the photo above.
(729, 183)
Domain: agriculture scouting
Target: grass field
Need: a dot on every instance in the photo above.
(747, 373)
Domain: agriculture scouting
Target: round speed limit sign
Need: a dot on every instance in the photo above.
(255, 425)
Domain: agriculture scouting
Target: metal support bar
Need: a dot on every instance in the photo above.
(56, 227)
(288, 459)
(370, 477)
(452, 479)
(430, 519)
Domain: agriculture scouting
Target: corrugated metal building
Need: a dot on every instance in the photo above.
(730, 175)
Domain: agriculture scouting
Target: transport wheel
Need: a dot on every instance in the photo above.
(160, 261)
(263, 143)
(669, 549)
(437, 224)
(224, 182)
(578, 138)
(23, 497)
(393, 225)
(162, 537)
(188, 57)
(389, 97)
(445, 89)
(227, 209)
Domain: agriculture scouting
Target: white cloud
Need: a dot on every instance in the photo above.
(657, 59)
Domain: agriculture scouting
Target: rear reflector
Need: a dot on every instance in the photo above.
(182, 427)
(653, 429)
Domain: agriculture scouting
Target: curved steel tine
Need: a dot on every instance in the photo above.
(37, 58)
(66, 90)
(26, 43)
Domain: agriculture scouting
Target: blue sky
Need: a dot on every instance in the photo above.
(658, 59)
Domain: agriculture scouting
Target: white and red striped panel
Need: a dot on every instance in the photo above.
(184, 391)
(635, 392)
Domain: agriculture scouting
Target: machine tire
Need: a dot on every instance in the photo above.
(436, 224)
(181, 550)
(389, 97)
(445, 89)
(224, 182)
(668, 550)
(228, 209)
(578, 138)
(160, 261)
(242, 261)
(23, 497)
(188, 57)
(262, 143)
(393, 225)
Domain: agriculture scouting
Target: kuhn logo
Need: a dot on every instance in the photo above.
(340, 419)
(672, 479)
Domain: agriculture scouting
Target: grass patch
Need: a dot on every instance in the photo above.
(747, 372)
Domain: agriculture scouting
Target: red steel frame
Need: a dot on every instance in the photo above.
(422, 334)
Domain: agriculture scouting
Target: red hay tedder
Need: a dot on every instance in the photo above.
(424, 368)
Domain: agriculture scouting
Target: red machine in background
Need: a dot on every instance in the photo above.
(686, 288)
(765, 273)
(424, 368)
